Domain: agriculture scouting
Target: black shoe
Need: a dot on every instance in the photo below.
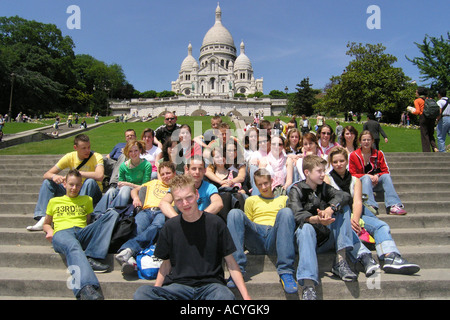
(89, 292)
(369, 264)
(97, 266)
(343, 271)
(394, 263)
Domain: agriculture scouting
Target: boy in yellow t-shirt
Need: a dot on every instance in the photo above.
(268, 228)
(149, 220)
(67, 227)
(90, 166)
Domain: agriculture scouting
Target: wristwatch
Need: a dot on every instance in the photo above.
(335, 207)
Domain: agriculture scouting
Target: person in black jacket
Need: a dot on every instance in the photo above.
(375, 128)
(322, 215)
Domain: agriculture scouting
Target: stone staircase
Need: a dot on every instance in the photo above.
(30, 269)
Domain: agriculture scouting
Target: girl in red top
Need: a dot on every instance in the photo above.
(369, 165)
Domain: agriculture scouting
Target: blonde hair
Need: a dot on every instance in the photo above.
(182, 181)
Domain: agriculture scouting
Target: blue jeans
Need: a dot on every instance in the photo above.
(384, 184)
(114, 197)
(342, 237)
(50, 189)
(175, 291)
(261, 239)
(381, 232)
(76, 244)
(148, 224)
(442, 131)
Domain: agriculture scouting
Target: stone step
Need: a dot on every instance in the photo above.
(411, 206)
(428, 283)
(43, 256)
(19, 196)
(443, 186)
(394, 165)
(402, 236)
(423, 195)
(422, 171)
(22, 179)
(413, 178)
(421, 206)
(19, 188)
(417, 220)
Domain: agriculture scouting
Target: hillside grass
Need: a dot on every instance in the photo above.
(104, 138)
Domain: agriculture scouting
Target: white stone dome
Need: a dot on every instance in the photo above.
(189, 61)
(218, 34)
(242, 61)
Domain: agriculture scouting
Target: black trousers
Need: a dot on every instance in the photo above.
(427, 133)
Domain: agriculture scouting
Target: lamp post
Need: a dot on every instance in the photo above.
(10, 97)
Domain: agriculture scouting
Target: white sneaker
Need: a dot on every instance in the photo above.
(123, 256)
(38, 226)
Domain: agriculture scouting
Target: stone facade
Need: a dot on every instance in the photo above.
(208, 87)
(220, 71)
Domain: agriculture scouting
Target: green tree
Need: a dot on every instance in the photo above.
(304, 99)
(277, 94)
(435, 63)
(40, 58)
(370, 82)
(98, 82)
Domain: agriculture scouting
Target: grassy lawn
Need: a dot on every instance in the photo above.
(105, 137)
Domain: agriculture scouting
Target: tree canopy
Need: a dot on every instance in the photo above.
(46, 75)
(434, 66)
(370, 82)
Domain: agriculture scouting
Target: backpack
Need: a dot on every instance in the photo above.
(124, 227)
(147, 264)
(431, 109)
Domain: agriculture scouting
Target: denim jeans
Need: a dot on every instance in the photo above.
(384, 184)
(114, 197)
(76, 244)
(175, 291)
(381, 232)
(50, 189)
(261, 239)
(442, 131)
(342, 237)
(148, 224)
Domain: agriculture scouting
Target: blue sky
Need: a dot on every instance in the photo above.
(286, 40)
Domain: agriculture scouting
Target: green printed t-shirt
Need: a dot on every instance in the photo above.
(69, 212)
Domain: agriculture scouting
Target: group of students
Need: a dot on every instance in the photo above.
(213, 197)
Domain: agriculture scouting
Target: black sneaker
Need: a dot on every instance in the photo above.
(89, 292)
(97, 266)
(394, 263)
(343, 271)
(369, 264)
(309, 293)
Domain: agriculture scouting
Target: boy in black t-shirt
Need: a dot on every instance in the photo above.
(192, 246)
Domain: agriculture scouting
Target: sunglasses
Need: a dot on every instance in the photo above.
(170, 119)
